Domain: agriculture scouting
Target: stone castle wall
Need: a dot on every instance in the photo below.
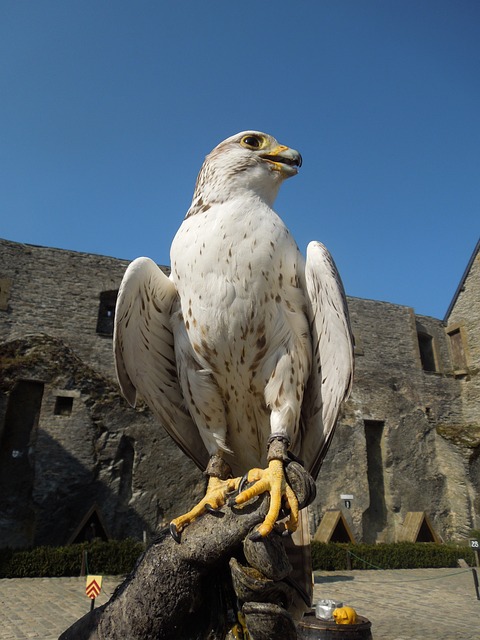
(464, 318)
(406, 441)
(57, 292)
(386, 450)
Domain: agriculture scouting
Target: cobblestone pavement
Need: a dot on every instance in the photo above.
(426, 604)
(44, 607)
(408, 604)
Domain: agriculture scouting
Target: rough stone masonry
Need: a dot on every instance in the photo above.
(409, 439)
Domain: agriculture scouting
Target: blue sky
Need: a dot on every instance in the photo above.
(108, 109)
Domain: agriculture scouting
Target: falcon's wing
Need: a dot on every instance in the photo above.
(332, 350)
(144, 353)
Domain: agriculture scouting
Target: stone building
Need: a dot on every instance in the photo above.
(75, 458)
(409, 440)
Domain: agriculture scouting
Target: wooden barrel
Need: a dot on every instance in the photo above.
(311, 628)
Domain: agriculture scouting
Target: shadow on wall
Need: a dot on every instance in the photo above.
(17, 469)
(375, 517)
(69, 441)
(56, 494)
(50, 481)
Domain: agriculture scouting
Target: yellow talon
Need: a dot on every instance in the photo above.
(215, 497)
(272, 480)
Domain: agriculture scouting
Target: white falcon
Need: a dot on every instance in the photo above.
(245, 351)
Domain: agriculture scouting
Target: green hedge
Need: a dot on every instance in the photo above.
(119, 557)
(115, 557)
(402, 555)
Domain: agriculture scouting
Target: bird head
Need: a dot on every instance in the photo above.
(248, 161)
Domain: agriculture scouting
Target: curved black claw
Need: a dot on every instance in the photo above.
(175, 533)
(214, 512)
(256, 536)
(287, 533)
(243, 483)
(241, 486)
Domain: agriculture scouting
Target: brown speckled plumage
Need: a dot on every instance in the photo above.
(245, 338)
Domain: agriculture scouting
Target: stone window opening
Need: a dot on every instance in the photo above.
(64, 398)
(375, 517)
(106, 313)
(63, 406)
(427, 352)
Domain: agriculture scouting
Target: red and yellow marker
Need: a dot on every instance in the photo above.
(93, 588)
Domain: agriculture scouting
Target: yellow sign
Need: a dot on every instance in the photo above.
(94, 586)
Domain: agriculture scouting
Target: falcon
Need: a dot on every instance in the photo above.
(244, 353)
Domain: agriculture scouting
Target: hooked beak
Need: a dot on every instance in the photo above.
(284, 159)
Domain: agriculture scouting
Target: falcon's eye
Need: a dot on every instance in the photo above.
(252, 142)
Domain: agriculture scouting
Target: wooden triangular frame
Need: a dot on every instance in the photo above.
(418, 528)
(334, 528)
(93, 511)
